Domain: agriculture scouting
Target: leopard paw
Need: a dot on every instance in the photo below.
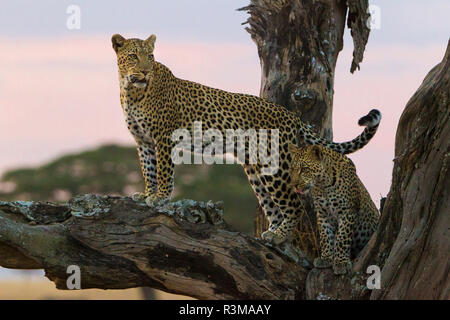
(322, 263)
(272, 237)
(155, 200)
(139, 196)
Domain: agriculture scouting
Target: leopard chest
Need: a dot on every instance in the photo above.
(138, 124)
(330, 202)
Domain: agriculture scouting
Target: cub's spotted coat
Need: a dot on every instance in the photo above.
(346, 215)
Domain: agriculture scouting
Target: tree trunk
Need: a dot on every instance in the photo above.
(413, 239)
(298, 44)
(148, 293)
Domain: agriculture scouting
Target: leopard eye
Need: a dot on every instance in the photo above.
(151, 56)
(132, 56)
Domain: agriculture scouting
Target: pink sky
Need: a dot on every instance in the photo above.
(60, 95)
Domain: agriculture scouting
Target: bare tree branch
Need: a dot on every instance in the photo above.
(182, 247)
(357, 21)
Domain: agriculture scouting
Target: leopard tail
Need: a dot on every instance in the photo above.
(370, 121)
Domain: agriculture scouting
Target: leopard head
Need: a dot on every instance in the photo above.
(307, 168)
(135, 60)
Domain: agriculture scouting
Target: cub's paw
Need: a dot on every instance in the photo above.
(272, 237)
(342, 268)
(155, 200)
(139, 196)
(321, 263)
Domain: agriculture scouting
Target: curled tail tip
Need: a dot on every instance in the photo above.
(372, 119)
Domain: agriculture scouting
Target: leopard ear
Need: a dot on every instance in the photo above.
(317, 152)
(151, 40)
(117, 42)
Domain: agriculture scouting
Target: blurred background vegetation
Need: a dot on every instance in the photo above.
(114, 170)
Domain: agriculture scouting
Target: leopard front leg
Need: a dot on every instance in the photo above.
(283, 232)
(270, 209)
(343, 242)
(326, 236)
(165, 172)
(147, 159)
(287, 202)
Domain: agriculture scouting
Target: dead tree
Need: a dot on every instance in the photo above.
(187, 248)
(298, 45)
(413, 238)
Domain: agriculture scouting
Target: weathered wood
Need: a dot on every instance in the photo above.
(298, 44)
(413, 239)
(181, 247)
(323, 284)
(10, 257)
(358, 23)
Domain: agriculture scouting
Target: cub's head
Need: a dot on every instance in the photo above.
(307, 168)
(135, 59)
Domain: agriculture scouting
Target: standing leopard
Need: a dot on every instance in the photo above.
(346, 215)
(155, 103)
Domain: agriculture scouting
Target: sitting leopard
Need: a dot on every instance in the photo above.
(346, 215)
(155, 103)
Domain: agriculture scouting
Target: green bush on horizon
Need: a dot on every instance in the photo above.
(114, 170)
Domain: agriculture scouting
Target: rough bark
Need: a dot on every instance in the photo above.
(182, 247)
(148, 293)
(413, 239)
(298, 44)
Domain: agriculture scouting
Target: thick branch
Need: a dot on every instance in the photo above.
(182, 247)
